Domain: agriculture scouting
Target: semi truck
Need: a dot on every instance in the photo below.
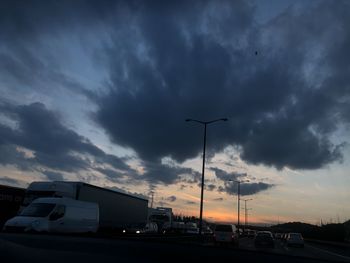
(117, 210)
(11, 199)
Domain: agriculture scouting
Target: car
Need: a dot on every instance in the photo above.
(278, 235)
(264, 239)
(148, 228)
(295, 239)
(191, 228)
(251, 233)
(284, 237)
(207, 230)
(226, 233)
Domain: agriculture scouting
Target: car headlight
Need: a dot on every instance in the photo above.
(138, 232)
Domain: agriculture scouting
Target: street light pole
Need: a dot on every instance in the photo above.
(205, 123)
(202, 185)
(238, 200)
(247, 215)
(245, 212)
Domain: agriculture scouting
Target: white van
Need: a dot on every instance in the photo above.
(60, 215)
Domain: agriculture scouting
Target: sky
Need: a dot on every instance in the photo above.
(98, 91)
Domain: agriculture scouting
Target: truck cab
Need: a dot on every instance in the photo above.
(162, 216)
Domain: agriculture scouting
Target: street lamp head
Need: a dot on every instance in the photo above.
(188, 119)
(224, 119)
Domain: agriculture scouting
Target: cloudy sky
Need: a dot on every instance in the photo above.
(98, 91)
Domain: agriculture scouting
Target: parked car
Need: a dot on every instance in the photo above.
(295, 239)
(264, 239)
(226, 234)
(59, 215)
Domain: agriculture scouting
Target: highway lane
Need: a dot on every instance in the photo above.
(310, 250)
(341, 250)
(54, 248)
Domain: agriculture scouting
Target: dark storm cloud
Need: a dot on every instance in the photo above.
(168, 61)
(10, 181)
(225, 176)
(161, 173)
(230, 187)
(111, 174)
(53, 176)
(171, 198)
(210, 187)
(52, 145)
(246, 188)
(11, 156)
(30, 37)
(183, 187)
(281, 112)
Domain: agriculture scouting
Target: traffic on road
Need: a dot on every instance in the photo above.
(54, 214)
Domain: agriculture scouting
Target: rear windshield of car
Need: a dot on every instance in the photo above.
(263, 235)
(223, 228)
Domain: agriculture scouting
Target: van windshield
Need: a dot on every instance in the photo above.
(38, 210)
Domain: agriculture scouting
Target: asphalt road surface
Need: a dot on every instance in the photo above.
(54, 248)
(311, 250)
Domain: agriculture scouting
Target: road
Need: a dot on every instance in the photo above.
(54, 248)
(311, 250)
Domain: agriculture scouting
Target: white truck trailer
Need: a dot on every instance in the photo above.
(117, 210)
